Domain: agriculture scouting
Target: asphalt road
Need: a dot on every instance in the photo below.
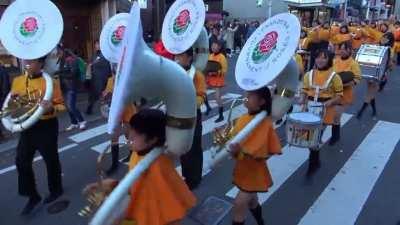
(358, 182)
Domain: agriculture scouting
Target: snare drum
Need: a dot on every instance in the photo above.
(373, 60)
(316, 108)
(303, 129)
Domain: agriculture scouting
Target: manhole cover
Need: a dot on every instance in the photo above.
(211, 211)
(58, 207)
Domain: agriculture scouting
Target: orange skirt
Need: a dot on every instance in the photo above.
(251, 175)
(347, 98)
(329, 115)
(215, 81)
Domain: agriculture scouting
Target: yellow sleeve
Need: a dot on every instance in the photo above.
(355, 68)
(58, 100)
(337, 85)
(18, 85)
(200, 85)
(110, 84)
(224, 65)
(306, 85)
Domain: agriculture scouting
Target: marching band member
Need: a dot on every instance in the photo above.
(330, 93)
(192, 161)
(373, 85)
(127, 114)
(217, 80)
(159, 196)
(314, 42)
(251, 174)
(357, 35)
(42, 136)
(304, 44)
(396, 33)
(343, 36)
(304, 40)
(324, 35)
(344, 63)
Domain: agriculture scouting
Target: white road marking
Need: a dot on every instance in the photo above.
(11, 168)
(343, 199)
(89, 134)
(283, 166)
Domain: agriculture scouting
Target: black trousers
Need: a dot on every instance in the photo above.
(192, 161)
(42, 136)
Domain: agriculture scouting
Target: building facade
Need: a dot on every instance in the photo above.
(248, 10)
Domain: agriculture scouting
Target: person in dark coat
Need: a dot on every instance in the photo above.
(101, 71)
(4, 90)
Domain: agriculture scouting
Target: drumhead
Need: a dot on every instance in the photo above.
(305, 117)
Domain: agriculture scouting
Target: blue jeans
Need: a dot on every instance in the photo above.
(70, 102)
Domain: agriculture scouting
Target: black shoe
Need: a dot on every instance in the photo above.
(219, 119)
(52, 197)
(314, 163)
(31, 204)
(335, 135)
(89, 111)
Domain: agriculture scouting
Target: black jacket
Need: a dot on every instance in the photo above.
(5, 85)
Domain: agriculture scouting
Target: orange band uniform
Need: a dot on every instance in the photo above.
(159, 196)
(357, 39)
(217, 80)
(324, 34)
(130, 110)
(335, 88)
(340, 65)
(340, 38)
(199, 82)
(37, 86)
(251, 173)
(299, 61)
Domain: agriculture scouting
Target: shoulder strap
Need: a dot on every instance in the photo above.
(329, 80)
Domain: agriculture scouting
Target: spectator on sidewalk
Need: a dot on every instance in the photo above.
(101, 71)
(69, 75)
(4, 90)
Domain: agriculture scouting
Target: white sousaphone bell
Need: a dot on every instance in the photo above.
(142, 73)
(183, 28)
(29, 30)
(111, 45)
(267, 59)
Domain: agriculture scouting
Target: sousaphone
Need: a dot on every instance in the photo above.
(111, 46)
(29, 30)
(267, 59)
(142, 73)
(183, 27)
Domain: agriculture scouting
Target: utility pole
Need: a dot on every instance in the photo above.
(269, 8)
(368, 9)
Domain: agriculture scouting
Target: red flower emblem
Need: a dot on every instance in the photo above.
(268, 42)
(30, 24)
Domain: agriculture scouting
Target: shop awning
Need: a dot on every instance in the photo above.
(314, 3)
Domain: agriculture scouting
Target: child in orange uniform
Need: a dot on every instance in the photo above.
(217, 80)
(159, 196)
(251, 174)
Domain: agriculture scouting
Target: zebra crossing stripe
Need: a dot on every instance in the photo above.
(102, 129)
(283, 166)
(343, 199)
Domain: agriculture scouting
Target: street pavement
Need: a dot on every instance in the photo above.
(358, 182)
